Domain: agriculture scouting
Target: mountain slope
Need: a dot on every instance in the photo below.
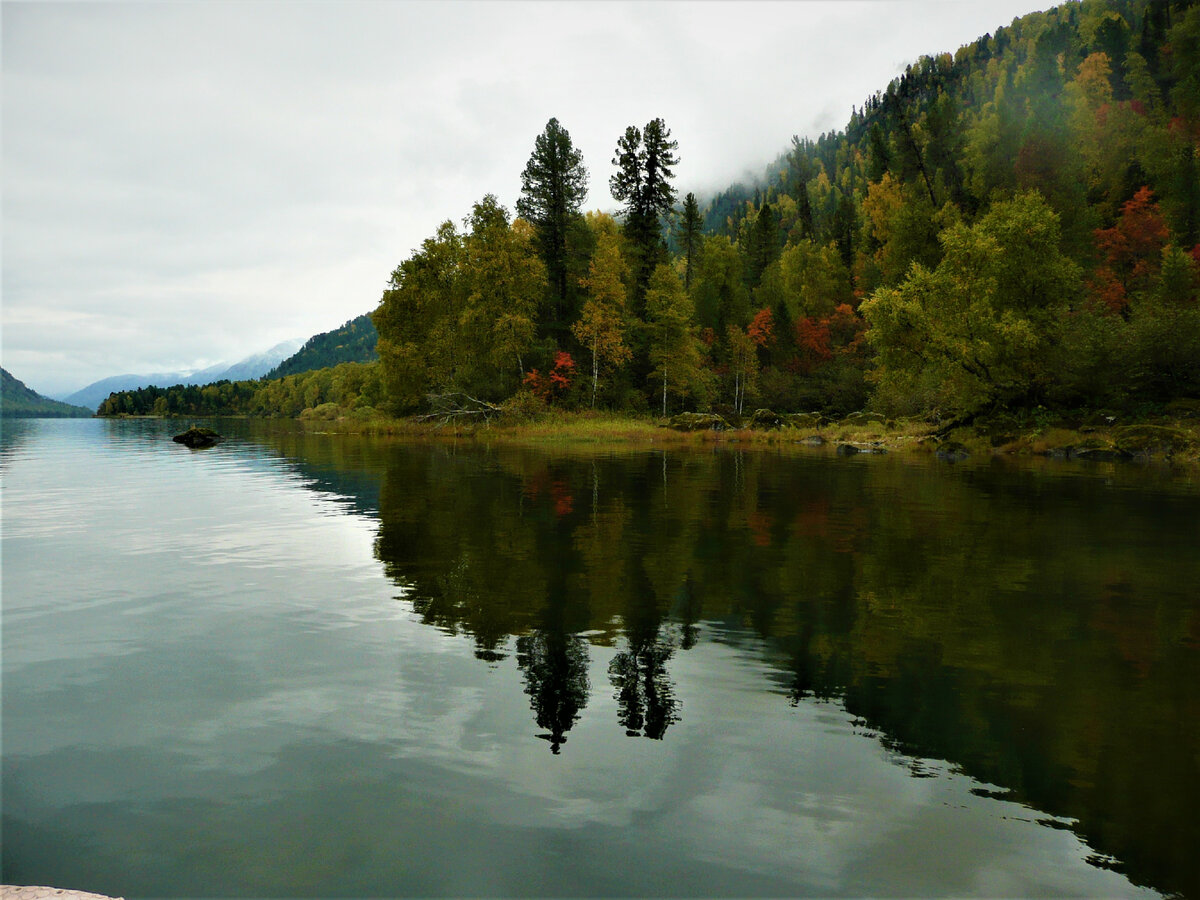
(251, 367)
(259, 364)
(353, 342)
(18, 401)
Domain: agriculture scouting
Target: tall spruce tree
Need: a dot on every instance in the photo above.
(553, 191)
(691, 226)
(645, 163)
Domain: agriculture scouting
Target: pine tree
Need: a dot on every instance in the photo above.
(645, 161)
(553, 191)
(691, 225)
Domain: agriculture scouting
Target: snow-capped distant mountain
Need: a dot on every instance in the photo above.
(254, 366)
(260, 364)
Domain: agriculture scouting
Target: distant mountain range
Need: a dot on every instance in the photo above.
(353, 342)
(19, 401)
(246, 369)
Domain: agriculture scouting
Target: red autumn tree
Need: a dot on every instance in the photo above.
(556, 383)
(814, 343)
(1130, 251)
(762, 328)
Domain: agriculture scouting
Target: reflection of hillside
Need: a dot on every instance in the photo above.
(14, 434)
(1037, 631)
(348, 467)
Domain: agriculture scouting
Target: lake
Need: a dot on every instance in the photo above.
(308, 665)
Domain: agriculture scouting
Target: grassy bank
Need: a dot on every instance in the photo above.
(1173, 437)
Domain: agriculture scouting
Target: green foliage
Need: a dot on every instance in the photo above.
(719, 289)
(461, 313)
(645, 161)
(982, 324)
(676, 353)
(1017, 220)
(19, 402)
(553, 190)
(353, 342)
(691, 226)
(602, 326)
(320, 393)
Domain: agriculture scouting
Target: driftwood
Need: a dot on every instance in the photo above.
(446, 409)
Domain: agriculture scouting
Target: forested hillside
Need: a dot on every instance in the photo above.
(19, 401)
(353, 342)
(1011, 225)
(1014, 226)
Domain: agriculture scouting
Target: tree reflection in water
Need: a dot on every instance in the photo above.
(1037, 628)
(645, 696)
(556, 680)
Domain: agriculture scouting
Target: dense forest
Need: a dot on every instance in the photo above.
(353, 342)
(1011, 227)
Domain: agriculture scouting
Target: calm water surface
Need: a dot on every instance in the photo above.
(318, 666)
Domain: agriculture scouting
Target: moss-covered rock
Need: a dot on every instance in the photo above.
(803, 420)
(1147, 440)
(698, 422)
(952, 451)
(851, 448)
(1100, 454)
(198, 438)
(864, 418)
(765, 420)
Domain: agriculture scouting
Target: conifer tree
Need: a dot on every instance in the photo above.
(553, 191)
(645, 163)
(691, 225)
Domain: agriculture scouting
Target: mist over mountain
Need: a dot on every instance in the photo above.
(19, 401)
(254, 366)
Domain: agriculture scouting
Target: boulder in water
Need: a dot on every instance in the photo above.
(952, 451)
(198, 438)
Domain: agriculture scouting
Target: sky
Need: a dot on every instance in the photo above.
(187, 183)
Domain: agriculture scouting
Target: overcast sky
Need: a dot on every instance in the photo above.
(189, 183)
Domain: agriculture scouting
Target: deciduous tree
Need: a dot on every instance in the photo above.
(601, 327)
(981, 324)
(675, 349)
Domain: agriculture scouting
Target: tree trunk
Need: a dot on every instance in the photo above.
(595, 374)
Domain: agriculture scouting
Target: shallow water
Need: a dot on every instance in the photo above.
(305, 665)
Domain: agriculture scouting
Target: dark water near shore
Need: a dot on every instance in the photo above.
(326, 666)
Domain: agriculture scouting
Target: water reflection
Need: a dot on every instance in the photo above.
(555, 666)
(1038, 631)
(1037, 627)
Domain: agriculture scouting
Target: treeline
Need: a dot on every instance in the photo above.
(353, 342)
(353, 387)
(1012, 225)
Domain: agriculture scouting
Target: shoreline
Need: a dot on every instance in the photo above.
(1173, 440)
